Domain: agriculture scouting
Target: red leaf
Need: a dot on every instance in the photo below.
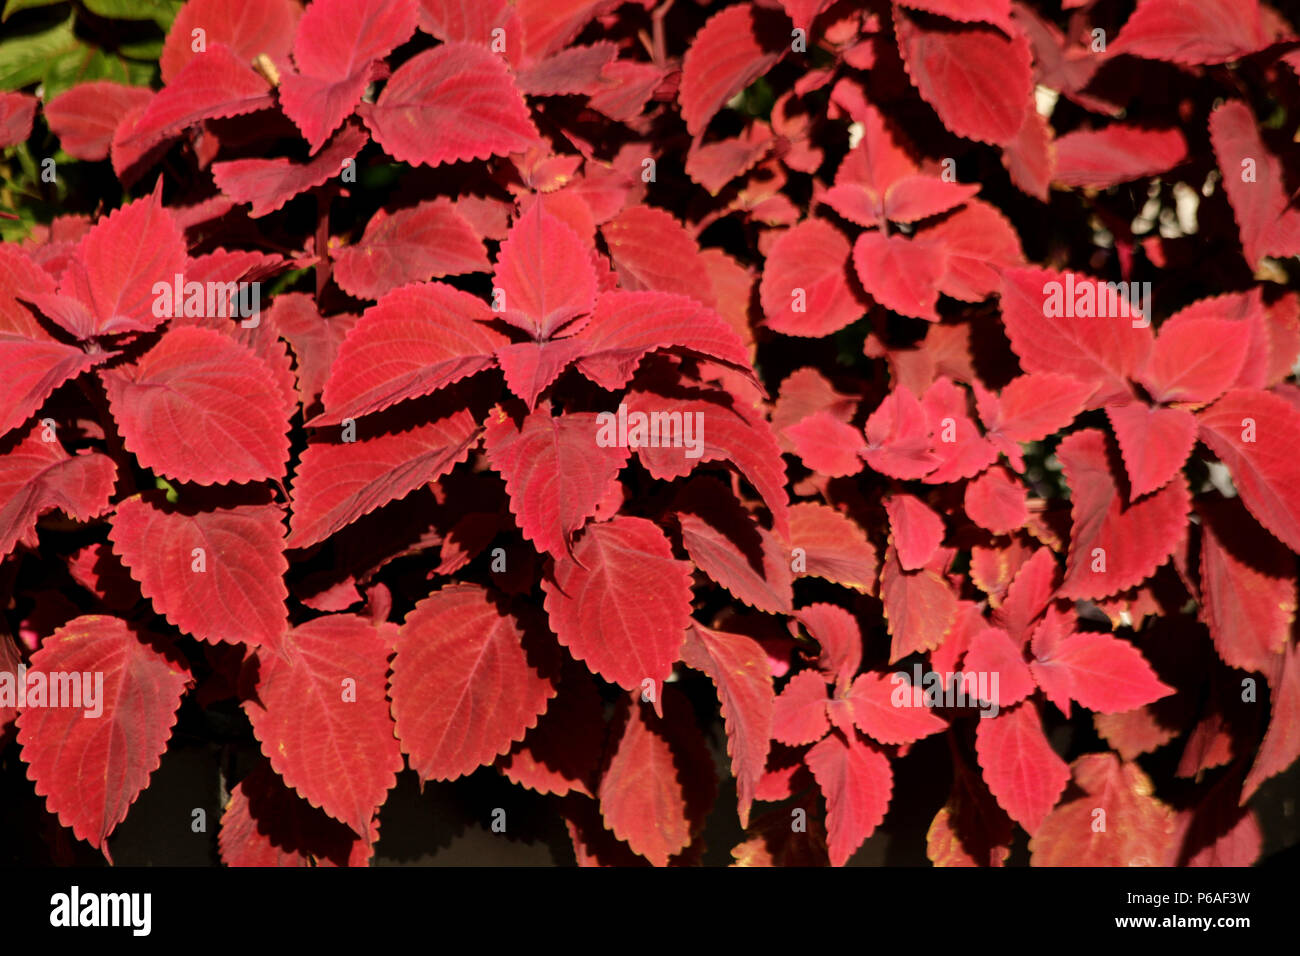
(1254, 181)
(1101, 672)
(338, 482)
(978, 243)
(448, 104)
(978, 81)
(877, 162)
(732, 549)
(314, 338)
(915, 530)
(34, 367)
(544, 273)
(962, 451)
(1117, 823)
(623, 603)
(493, 683)
(108, 286)
(898, 437)
(1248, 587)
(659, 783)
(876, 713)
(1030, 158)
(799, 711)
(550, 24)
(1181, 369)
(1113, 546)
(426, 241)
(732, 49)
(214, 572)
(652, 250)
(901, 274)
(804, 289)
(827, 445)
(91, 770)
(247, 27)
(1028, 595)
(737, 666)
(555, 470)
(17, 111)
(1116, 154)
(37, 476)
(270, 183)
(1207, 31)
(992, 651)
(472, 21)
(562, 753)
(86, 117)
(1255, 434)
(213, 85)
(337, 42)
(267, 824)
(200, 407)
(920, 607)
(1030, 408)
(530, 367)
(1020, 767)
(321, 715)
(857, 782)
(832, 546)
(1281, 743)
(626, 326)
(1155, 442)
(996, 501)
(803, 12)
(837, 632)
(414, 341)
(1081, 340)
(728, 432)
(989, 11)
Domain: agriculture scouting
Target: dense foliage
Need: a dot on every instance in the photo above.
(563, 387)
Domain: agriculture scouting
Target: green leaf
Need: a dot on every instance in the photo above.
(13, 6)
(161, 12)
(83, 64)
(142, 49)
(25, 59)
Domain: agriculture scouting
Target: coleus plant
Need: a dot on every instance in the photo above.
(874, 272)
